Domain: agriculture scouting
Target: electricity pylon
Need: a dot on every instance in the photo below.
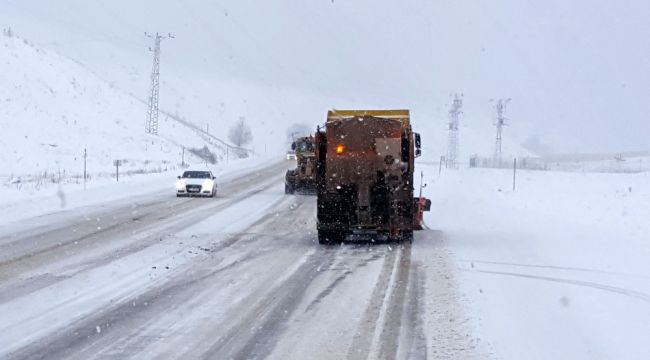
(452, 139)
(500, 123)
(151, 126)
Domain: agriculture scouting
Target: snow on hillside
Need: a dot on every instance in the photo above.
(557, 269)
(53, 108)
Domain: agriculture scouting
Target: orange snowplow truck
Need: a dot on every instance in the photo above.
(364, 176)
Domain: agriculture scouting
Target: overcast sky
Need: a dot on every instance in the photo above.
(578, 71)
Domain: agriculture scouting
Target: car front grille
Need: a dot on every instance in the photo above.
(193, 188)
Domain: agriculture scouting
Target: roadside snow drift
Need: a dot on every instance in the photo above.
(557, 269)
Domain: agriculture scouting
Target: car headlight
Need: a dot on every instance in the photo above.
(180, 185)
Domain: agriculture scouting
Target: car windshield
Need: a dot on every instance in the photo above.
(196, 175)
(305, 146)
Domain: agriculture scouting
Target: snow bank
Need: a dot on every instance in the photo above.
(18, 204)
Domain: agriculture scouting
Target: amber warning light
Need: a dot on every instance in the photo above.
(340, 149)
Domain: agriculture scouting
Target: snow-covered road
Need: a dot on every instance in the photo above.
(240, 276)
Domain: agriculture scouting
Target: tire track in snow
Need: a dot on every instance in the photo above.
(412, 340)
(392, 327)
(362, 341)
(32, 284)
(328, 290)
(553, 267)
(269, 315)
(140, 307)
(347, 272)
(131, 216)
(79, 232)
(402, 333)
(613, 289)
(89, 329)
(185, 313)
(123, 231)
(389, 339)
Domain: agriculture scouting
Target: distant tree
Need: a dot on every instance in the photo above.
(7, 32)
(240, 133)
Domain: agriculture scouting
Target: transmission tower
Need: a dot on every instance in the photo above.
(151, 126)
(452, 140)
(500, 123)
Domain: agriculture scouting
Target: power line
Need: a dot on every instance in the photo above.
(151, 126)
(452, 139)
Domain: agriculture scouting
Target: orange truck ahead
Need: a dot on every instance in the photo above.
(364, 176)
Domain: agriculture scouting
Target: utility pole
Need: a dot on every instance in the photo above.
(500, 123)
(85, 156)
(514, 174)
(422, 184)
(452, 140)
(117, 164)
(151, 126)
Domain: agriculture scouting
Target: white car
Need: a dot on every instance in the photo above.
(196, 183)
(291, 155)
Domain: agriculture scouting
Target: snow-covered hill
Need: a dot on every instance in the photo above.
(53, 108)
(230, 61)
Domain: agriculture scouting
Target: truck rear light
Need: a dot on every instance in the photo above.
(340, 149)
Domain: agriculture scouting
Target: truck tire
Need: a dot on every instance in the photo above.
(288, 189)
(407, 236)
(403, 237)
(328, 237)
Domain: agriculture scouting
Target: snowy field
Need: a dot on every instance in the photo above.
(22, 203)
(557, 269)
